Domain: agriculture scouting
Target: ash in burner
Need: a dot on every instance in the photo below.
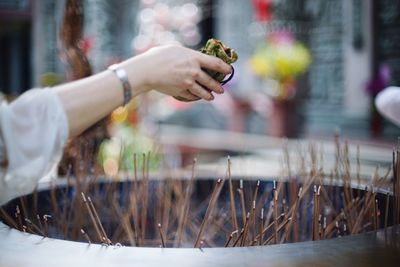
(201, 212)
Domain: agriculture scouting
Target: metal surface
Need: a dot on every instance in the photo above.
(380, 248)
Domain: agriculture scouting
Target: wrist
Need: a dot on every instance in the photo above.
(122, 76)
(137, 76)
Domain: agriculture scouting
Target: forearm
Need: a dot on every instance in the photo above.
(88, 100)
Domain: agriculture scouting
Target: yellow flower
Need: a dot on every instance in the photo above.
(260, 66)
(280, 61)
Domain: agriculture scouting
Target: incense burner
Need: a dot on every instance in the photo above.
(147, 221)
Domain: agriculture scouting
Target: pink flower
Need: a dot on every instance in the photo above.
(282, 37)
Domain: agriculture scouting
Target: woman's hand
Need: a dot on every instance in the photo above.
(175, 71)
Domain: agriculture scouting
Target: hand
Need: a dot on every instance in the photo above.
(176, 71)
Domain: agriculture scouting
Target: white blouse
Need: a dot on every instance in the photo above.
(388, 104)
(33, 132)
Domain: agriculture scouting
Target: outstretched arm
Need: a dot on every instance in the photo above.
(172, 70)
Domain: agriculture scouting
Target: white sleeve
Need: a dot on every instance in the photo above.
(388, 104)
(33, 132)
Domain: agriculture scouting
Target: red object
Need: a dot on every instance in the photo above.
(263, 10)
(87, 44)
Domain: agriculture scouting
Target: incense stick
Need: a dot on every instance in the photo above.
(275, 201)
(261, 235)
(232, 198)
(210, 207)
(241, 195)
(161, 235)
(144, 190)
(230, 238)
(238, 238)
(10, 221)
(46, 224)
(387, 210)
(99, 235)
(86, 236)
(245, 228)
(96, 216)
(186, 206)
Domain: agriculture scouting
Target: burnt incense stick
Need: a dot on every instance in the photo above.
(253, 208)
(53, 197)
(46, 224)
(358, 167)
(186, 206)
(125, 221)
(331, 227)
(270, 213)
(376, 214)
(315, 227)
(213, 199)
(161, 235)
(27, 226)
(96, 216)
(246, 225)
(323, 229)
(135, 175)
(34, 200)
(387, 209)
(396, 195)
(282, 226)
(99, 234)
(242, 203)
(238, 238)
(8, 219)
(85, 235)
(261, 235)
(284, 207)
(293, 223)
(275, 203)
(146, 166)
(18, 217)
(23, 206)
(363, 212)
(253, 219)
(256, 192)
(232, 198)
(230, 238)
(319, 233)
(167, 205)
(133, 203)
(40, 224)
(201, 244)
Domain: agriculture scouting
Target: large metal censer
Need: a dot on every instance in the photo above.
(374, 248)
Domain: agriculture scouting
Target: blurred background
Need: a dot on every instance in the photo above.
(306, 68)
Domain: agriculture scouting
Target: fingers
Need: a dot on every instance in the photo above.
(199, 91)
(207, 82)
(213, 63)
(187, 96)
